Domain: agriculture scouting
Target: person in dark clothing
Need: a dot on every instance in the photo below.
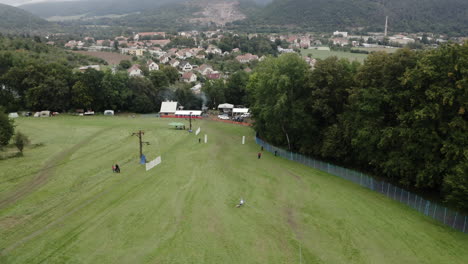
(259, 155)
(199, 140)
(117, 168)
(262, 148)
(276, 153)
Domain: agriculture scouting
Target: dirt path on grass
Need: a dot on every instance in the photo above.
(44, 173)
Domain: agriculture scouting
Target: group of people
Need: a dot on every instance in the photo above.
(116, 168)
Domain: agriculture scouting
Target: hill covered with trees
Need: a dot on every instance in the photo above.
(328, 15)
(15, 20)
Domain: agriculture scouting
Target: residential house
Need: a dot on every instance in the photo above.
(189, 77)
(213, 75)
(152, 66)
(157, 42)
(213, 50)
(135, 71)
(174, 63)
(185, 66)
(149, 34)
(246, 58)
(132, 51)
(205, 69)
(164, 59)
(340, 33)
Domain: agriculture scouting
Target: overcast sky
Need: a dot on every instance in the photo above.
(22, 2)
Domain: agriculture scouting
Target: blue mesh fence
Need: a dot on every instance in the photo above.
(436, 211)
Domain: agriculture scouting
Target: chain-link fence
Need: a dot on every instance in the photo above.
(432, 209)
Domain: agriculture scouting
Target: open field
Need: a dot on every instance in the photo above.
(323, 54)
(388, 50)
(110, 57)
(61, 203)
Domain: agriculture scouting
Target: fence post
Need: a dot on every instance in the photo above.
(401, 195)
(455, 220)
(388, 189)
(445, 214)
(420, 203)
(464, 225)
(426, 210)
(408, 199)
(394, 192)
(435, 209)
(360, 182)
(328, 167)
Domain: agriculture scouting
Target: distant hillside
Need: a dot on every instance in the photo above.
(450, 16)
(92, 7)
(15, 20)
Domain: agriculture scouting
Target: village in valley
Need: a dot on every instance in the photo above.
(200, 57)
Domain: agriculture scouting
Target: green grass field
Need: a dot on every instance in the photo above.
(61, 203)
(323, 54)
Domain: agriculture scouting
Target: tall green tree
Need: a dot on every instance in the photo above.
(6, 129)
(278, 89)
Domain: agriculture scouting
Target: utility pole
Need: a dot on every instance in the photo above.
(190, 119)
(386, 26)
(140, 134)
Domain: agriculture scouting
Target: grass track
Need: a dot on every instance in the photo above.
(183, 210)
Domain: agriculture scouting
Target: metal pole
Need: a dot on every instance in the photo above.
(455, 220)
(464, 225)
(445, 214)
(190, 118)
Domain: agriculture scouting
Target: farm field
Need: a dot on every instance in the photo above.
(61, 202)
(111, 57)
(323, 54)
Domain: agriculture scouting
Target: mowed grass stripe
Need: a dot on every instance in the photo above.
(183, 210)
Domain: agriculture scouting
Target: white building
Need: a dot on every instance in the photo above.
(168, 108)
(342, 33)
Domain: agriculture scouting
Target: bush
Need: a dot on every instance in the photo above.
(21, 140)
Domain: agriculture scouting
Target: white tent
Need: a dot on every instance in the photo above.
(168, 108)
(109, 112)
(45, 113)
(13, 115)
(225, 106)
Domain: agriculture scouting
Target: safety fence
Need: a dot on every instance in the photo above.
(438, 212)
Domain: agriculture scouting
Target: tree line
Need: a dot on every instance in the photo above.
(400, 116)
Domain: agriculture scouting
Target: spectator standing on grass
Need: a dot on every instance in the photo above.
(262, 148)
(117, 168)
(113, 168)
(199, 140)
(259, 155)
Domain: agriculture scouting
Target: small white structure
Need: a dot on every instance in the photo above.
(342, 33)
(13, 115)
(44, 113)
(168, 108)
(225, 108)
(240, 111)
(187, 113)
(109, 112)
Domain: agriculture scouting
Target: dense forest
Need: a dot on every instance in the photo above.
(400, 116)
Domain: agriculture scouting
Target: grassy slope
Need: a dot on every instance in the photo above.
(183, 210)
